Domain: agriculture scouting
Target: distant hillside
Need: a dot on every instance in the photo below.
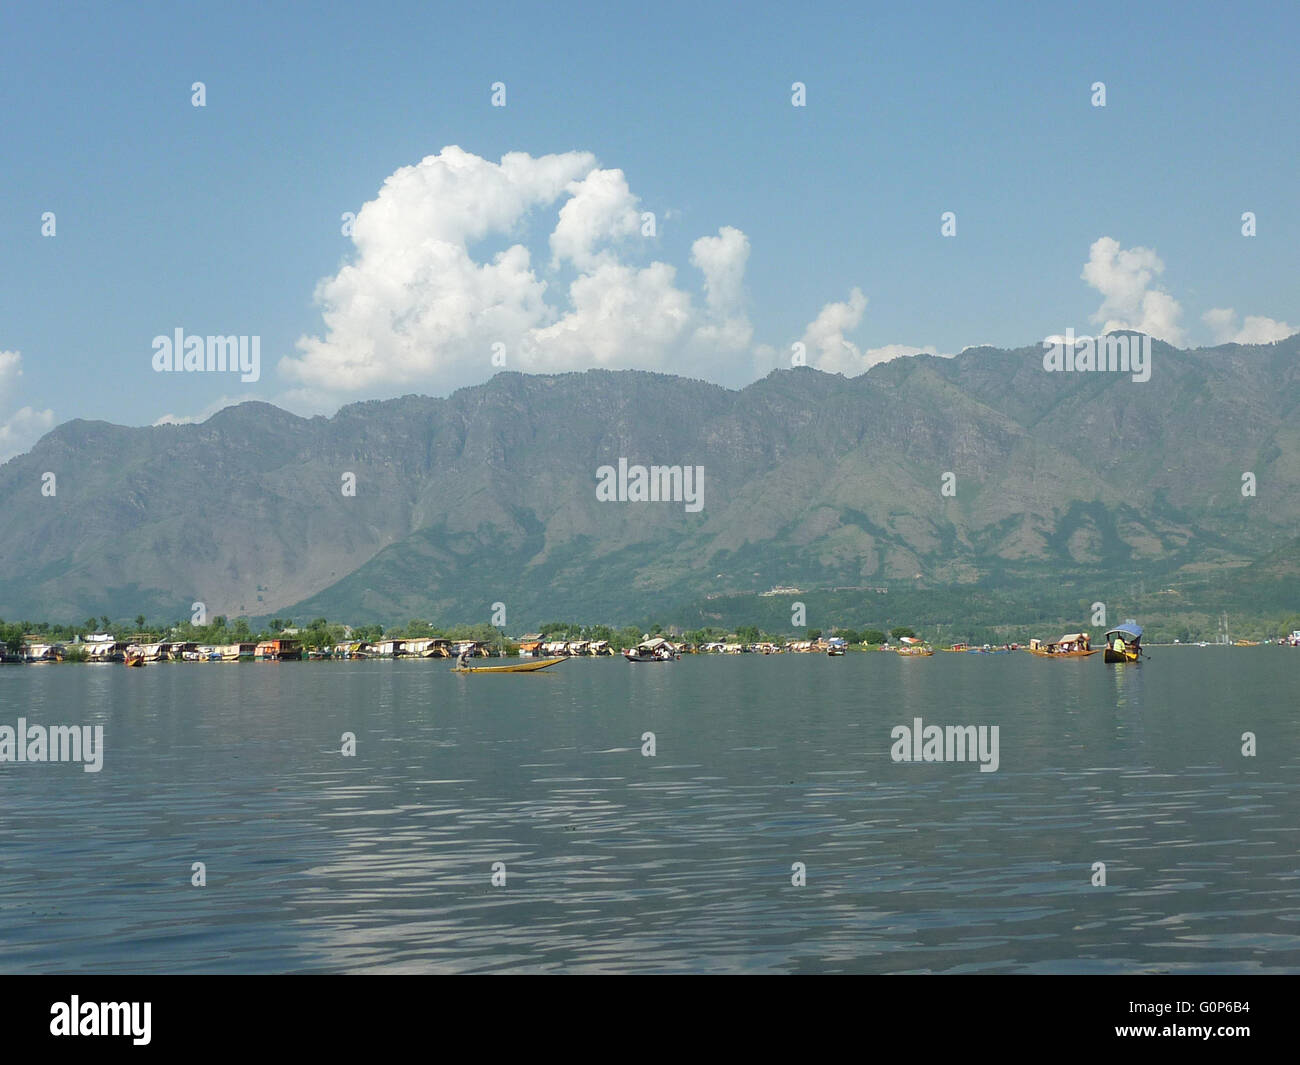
(811, 480)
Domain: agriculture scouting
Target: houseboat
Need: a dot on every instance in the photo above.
(282, 650)
(36, 649)
(102, 647)
(656, 649)
(430, 647)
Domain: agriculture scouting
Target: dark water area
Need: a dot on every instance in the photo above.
(680, 862)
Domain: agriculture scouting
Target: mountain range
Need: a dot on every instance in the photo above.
(977, 471)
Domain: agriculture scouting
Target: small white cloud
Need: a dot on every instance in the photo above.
(890, 352)
(21, 428)
(830, 350)
(1130, 299)
(203, 415)
(11, 368)
(1255, 330)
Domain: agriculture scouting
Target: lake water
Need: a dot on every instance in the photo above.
(615, 861)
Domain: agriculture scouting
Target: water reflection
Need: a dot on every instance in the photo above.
(616, 861)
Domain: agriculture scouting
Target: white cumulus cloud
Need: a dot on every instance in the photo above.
(420, 305)
(1130, 299)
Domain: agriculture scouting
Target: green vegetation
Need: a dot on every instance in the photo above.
(1258, 606)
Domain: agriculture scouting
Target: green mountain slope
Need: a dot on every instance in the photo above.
(810, 480)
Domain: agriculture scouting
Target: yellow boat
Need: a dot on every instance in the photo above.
(1124, 642)
(1076, 642)
(1246, 643)
(531, 666)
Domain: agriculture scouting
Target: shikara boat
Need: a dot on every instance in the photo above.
(527, 666)
(958, 648)
(1124, 642)
(133, 658)
(1071, 645)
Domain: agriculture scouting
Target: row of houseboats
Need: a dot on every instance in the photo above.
(1123, 643)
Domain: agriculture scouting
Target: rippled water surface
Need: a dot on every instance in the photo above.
(678, 862)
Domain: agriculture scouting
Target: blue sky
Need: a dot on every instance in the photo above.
(223, 219)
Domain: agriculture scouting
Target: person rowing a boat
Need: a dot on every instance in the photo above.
(461, 658)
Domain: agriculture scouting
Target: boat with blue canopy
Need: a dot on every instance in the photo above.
(1124, 642)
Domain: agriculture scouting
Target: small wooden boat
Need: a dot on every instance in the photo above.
(1071, 645)
(527, 666)
(834, 652)
(958, 648)
(1124, 642)
(133, 658)
(914, 652)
